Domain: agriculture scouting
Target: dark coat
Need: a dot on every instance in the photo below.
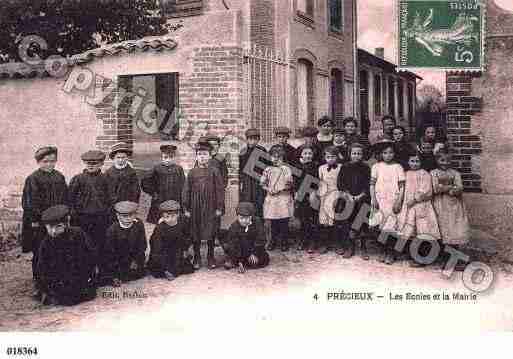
(354, 178)
(167, 245)
(250, 189)
(303, 208)
(66, 266)
(123, 185)
(89, 194)
(122, 246)
(163, 183)
(240, 244)
(41, 191)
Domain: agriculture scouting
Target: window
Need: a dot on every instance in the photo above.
(155, 113)
(179, 8)
(336, 15)
(306, 7)
(400, 97)
(391, 96)
(304, 92)
(337, 95)
(377, 95)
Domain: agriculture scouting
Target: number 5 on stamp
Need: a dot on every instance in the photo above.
(438, 34)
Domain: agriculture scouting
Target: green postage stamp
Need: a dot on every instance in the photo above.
(441, 34)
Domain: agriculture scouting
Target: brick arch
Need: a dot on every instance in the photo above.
(307, 55)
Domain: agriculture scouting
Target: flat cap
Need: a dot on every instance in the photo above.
(168, 148)
(323, 120)
(203, 145)
(282, 131)
(125, 207)
(120, 147)
(93, 156)
(310, 131)
(45, 151)
(245, 209)
(169, 206)
(213, 138)
(339, 130)
(55, 214)
(252, 132)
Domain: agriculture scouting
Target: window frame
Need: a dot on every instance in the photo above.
(331, 28)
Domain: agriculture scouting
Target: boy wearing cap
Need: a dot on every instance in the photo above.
(89, 199)
(125, 246)
(167, 242)
(66, 260)
(203, 203)
(44, 188)
(164, 182)
(282, 135)
(122, 178)
(250, 189)
(245, 242)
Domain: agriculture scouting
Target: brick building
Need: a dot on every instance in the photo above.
(233, 64)
(383, 91)
(480, 128)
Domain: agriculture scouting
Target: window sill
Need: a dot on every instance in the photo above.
(305, 19)
(338, 34)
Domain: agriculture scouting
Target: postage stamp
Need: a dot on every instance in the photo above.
(441, 34)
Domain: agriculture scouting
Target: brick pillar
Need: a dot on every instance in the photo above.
(464, 143)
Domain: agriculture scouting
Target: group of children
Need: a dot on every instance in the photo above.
(87, 234)
(327, 183)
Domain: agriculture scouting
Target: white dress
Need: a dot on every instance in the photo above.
(328, 193)
(387, 177)
(279, 205)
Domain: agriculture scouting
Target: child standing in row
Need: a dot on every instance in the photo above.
(90, 201)
(448, 203)
(165, 182)
(354, 181)
(282, 135)
(304, 210)
(402, 147)
(278, 205)
(122, 178)
(44, 188)
(203, 202)
(328, 175)
(417, 217)
(250, 189)
(387, 193)
(340, 142)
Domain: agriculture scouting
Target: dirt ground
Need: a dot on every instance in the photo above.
(279, 297)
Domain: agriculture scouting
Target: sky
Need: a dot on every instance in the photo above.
(376, 28)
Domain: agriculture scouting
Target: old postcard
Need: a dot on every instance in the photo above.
(200, 167)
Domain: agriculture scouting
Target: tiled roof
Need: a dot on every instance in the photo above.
(17, 70)
(370, 59)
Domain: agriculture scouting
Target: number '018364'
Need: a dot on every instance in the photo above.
(21, 351)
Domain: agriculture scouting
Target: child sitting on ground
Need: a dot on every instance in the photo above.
(245, 243)
(168, 243)
(125, 246)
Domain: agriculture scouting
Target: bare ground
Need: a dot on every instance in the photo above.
(279, 297)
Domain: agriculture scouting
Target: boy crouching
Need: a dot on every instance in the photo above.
(245, 243)
(125, 246)
(66, 261)
(168, 243)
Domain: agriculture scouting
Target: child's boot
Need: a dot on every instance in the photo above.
(284, 244)
(363, 248)
(349, 252)
(210, 255)
(197, 256)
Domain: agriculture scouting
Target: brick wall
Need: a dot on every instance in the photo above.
(262, 23)
(465, 144)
